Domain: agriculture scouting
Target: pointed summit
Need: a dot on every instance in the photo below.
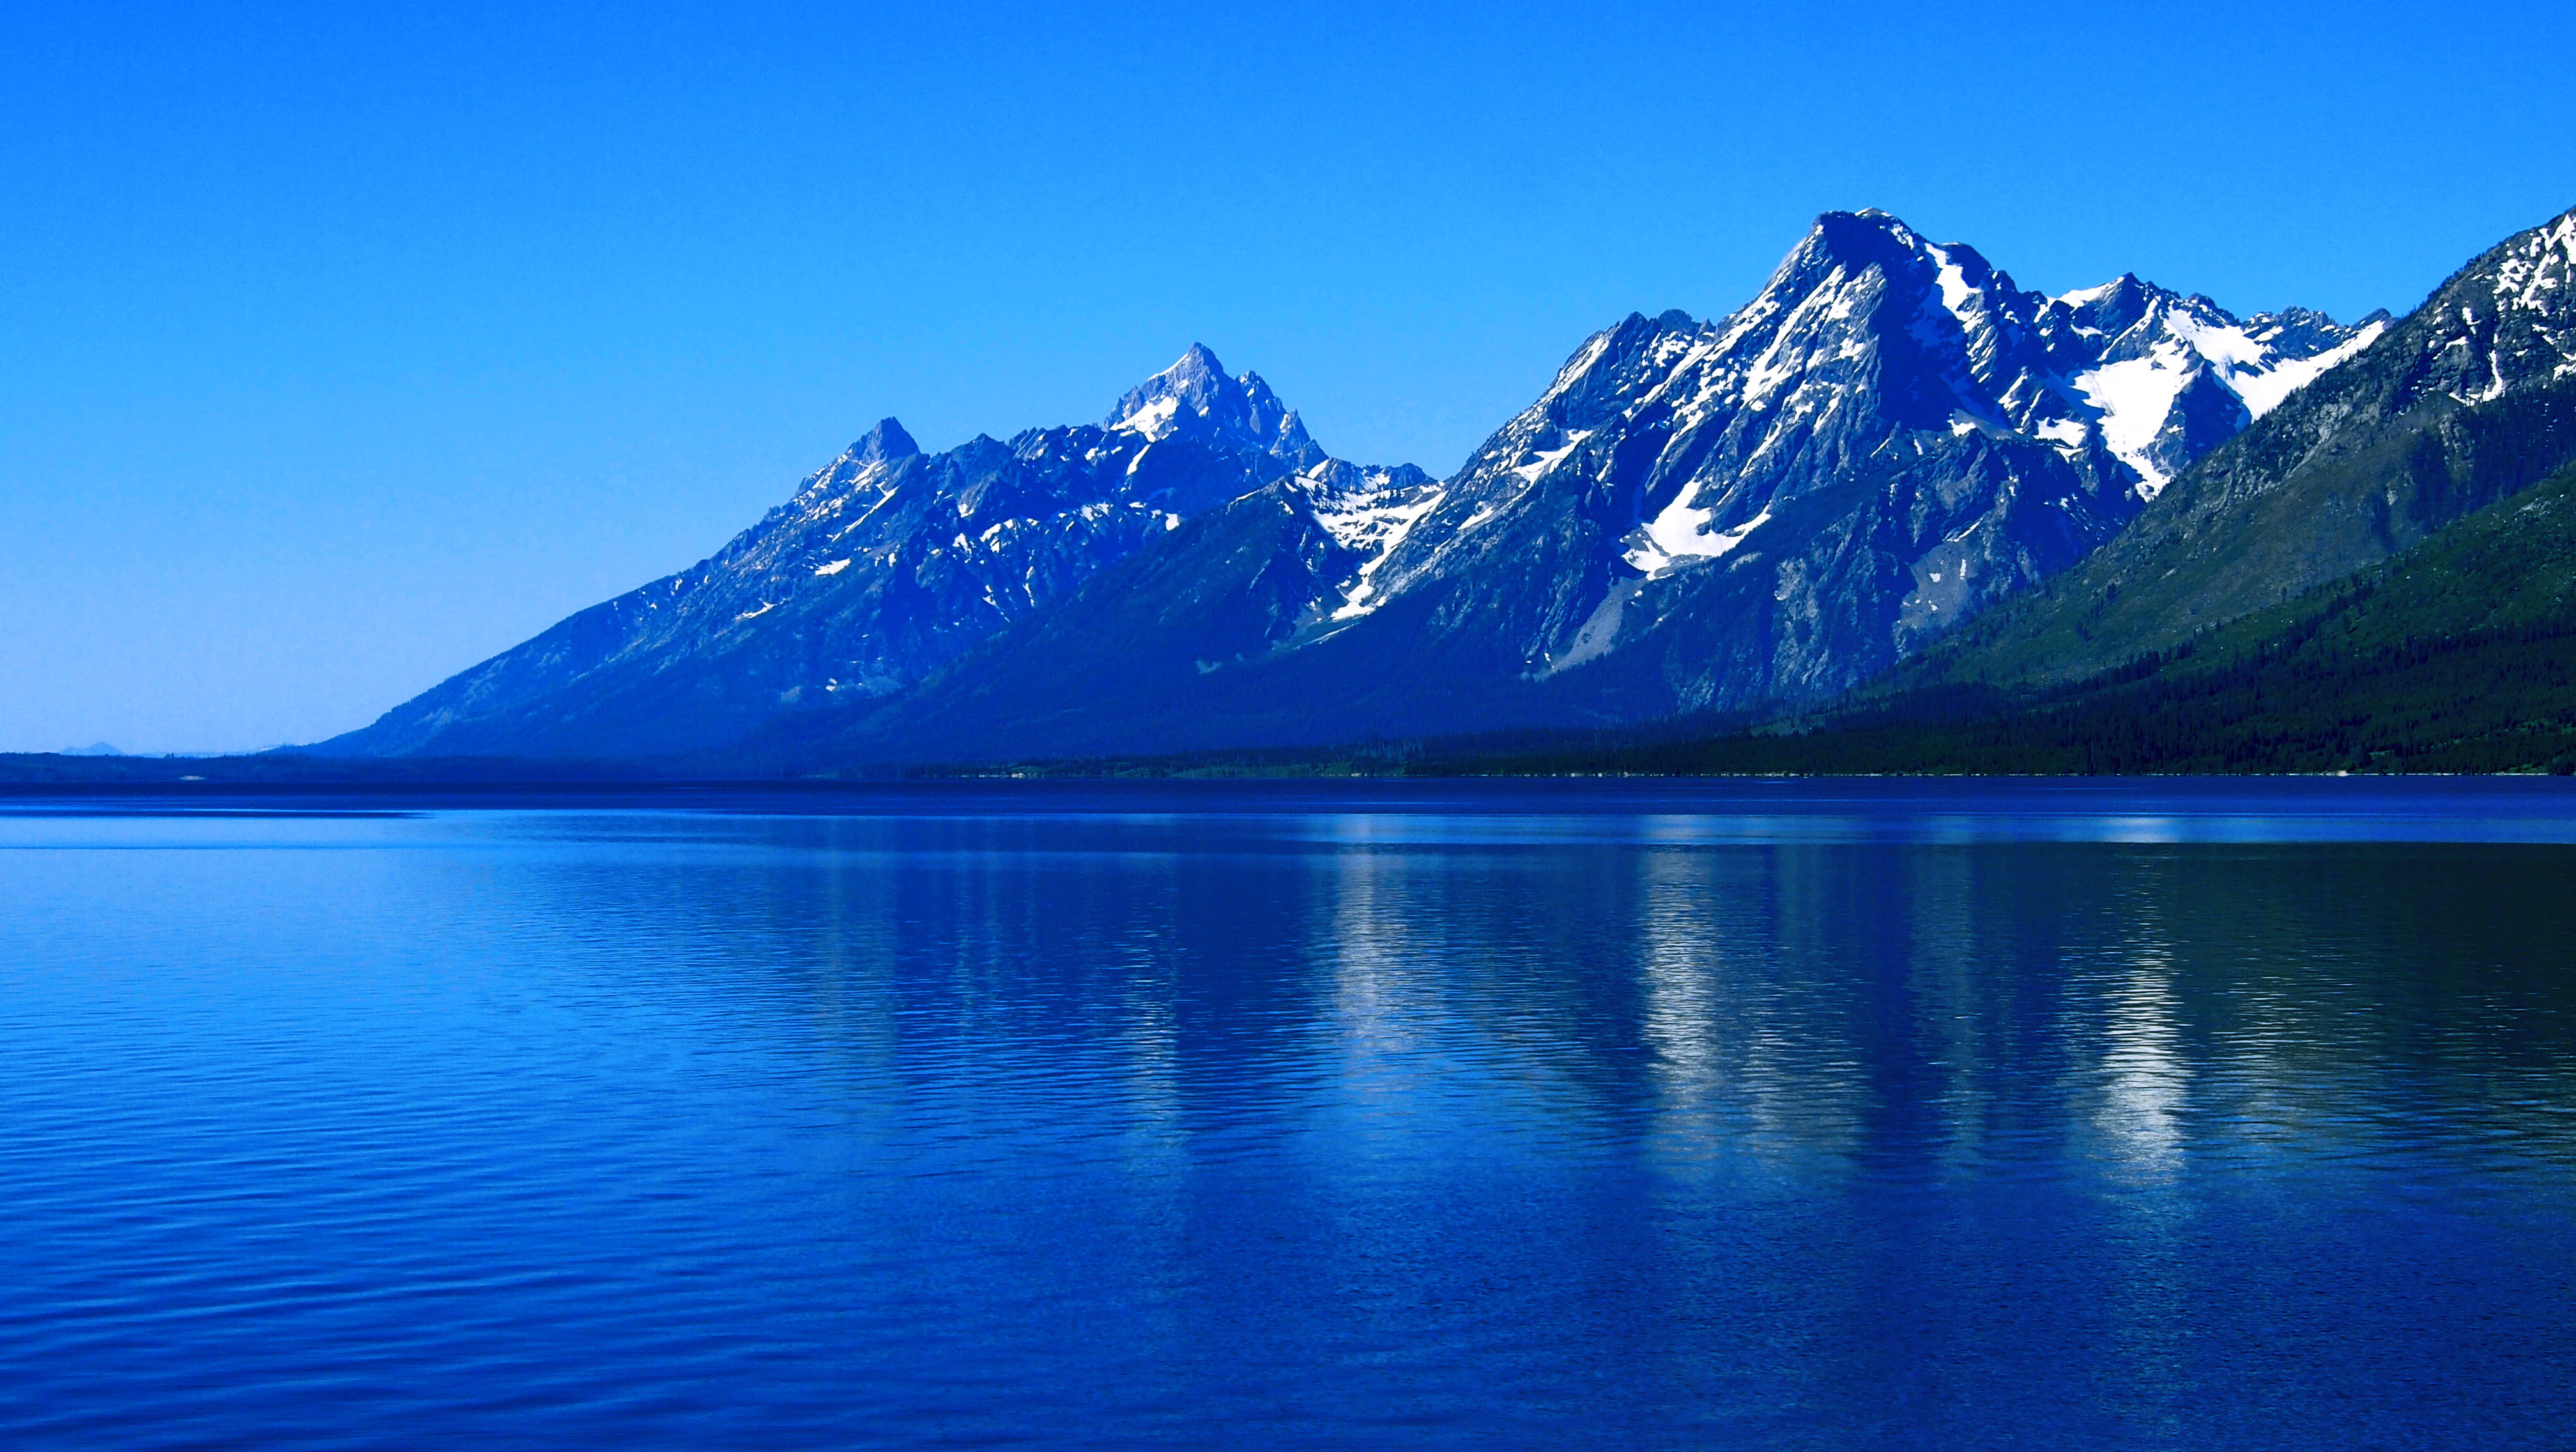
(2111, 306)
(1195, 399)
(1198, 364)
(1196, 382)
(884, 444)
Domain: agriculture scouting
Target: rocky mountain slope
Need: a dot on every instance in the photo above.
(886, 565)
(1891, 437)
(1694, 516)
(1765, 509)
(2457, 655)
(2469, 399)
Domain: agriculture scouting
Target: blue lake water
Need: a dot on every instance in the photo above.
(2177, 1115)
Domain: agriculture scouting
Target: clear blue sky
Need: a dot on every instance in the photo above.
(341, 346)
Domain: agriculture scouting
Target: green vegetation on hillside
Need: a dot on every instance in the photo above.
(2217, 548)
(2456, 656)
(2459, 655)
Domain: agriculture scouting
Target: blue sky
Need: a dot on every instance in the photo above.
(342, 346)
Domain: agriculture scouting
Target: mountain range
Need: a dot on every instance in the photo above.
(886, 565)
(1894, 470)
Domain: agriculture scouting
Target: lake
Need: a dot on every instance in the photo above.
(1777, 1115)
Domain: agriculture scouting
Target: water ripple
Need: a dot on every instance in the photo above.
(1837, 1120)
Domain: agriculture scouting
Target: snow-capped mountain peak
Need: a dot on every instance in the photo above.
(2173, 376)
(1196, 384)
(889, 563)
(2000, 432)
(2153, 376)
(2505, 321)
(1194, 399)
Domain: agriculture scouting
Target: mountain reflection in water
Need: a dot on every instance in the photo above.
(1487, 1119)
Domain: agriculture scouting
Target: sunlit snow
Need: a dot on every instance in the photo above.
(2136, 395)
(1153, 420)
(1681, 533)
(2264, 391)
(2066, 433)
(1955, 291)
(1374, 522)
(1538, 466)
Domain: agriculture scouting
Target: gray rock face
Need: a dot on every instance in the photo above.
(886, 565)
(1889, 439)
(1779, 504)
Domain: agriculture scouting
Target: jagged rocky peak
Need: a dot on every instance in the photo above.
(1673, 463)
(1868, 331)
(1194, 399)
(2128, 364)
(1872, 237)
(884, 444)
(2534, 270)
(2506, 321)
(1865, 300)
(2304, 332)
(889, 563)
(2163, 377)
(1857, 284)
(1953, 275)
(878, 453)
(2112, 308)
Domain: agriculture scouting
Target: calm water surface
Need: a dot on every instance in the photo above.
(1765, 1116)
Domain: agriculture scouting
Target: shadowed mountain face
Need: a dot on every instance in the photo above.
(2469, 400)
(1770, 508)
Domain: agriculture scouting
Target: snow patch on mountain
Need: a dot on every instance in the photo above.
(2130, 399)
(1956, 294)
(2264, 390)
(1996, 434)
(1682, 533)
(1541, 461)
(1152, 418)
(2174, 340)
(2526, 279)
(1369, 512)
